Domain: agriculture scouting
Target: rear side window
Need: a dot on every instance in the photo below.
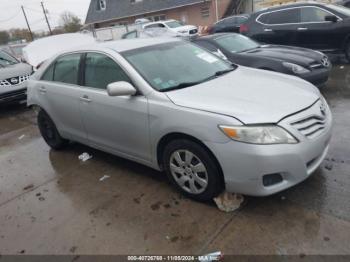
(100, 70)
(313, 14)
(288, 16)
(67, 69)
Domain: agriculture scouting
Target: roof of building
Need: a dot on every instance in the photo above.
(118, 9)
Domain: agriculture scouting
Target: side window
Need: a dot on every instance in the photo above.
(48, 75)
(287, 16)
(67, 69)
(313, 14)
(230, 21)
(155, 26)
(100, 70)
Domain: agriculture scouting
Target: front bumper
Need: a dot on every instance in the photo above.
(318, 77)
(18, 95)
(245, 165)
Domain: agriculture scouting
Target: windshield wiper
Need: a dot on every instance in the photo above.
(188, 84)
(223, 72)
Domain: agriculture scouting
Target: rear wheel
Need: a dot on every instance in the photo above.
(49, 131)
(192, 170)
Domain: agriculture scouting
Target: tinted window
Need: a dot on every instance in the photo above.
(155, 26)
(281, 17)
(67, 68)
(48, 75)
(100, 70)
(241, 19)
(236, 43)
(130, 35)
(313, 14)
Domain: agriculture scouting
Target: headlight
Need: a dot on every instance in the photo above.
(297, 69)
(269, 134)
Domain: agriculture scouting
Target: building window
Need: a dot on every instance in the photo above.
(101, 5)
(205, 11)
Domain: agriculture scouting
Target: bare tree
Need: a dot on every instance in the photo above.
(70, 22)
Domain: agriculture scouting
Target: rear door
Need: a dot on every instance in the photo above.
(59, 92)
(279, 27)
(315, 32)
(118, 124)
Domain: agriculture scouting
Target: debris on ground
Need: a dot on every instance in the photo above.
(85, 157)
(328, 166)
(21, 137)
(215, 256)
(229, 202)
(341, 67)
(104, 178)
(28, 187)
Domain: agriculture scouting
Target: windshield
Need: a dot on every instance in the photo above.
(236, 43)
(341, 9)
(176, 65)
(6, 59)
(174, 24)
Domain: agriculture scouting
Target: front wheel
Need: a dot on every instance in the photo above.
(192, 169)
(49, 131)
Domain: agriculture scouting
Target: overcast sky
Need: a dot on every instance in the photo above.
(11, 15)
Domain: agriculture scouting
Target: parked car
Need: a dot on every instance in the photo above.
(13, 76)
(229, 24)
(173, 106)
(324, 27)
(310, 65)
(175, 26)
(149, 32)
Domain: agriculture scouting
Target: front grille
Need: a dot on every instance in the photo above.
(13, 81)
(311, 127)
(14, 94)
(193, 31)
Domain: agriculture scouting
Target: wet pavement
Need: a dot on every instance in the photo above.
(52, 203)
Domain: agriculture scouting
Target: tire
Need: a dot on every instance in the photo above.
(199, 177)
(49, 131)
(347, 51)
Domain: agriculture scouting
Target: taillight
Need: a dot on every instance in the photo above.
(243, 29)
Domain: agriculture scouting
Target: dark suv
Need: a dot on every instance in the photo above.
(324, 27)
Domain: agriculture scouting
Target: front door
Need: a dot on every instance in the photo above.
(314, 31)
(119, 124)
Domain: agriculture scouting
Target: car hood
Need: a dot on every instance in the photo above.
(297, 55)
(252, 96)
(20, 69)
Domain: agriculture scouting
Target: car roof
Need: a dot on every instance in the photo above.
(161, 21)
(289, 5)
(126, 44)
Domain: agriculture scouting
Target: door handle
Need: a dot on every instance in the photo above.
(85, 99)
(302, 28)
(268, 30)
(42, 90)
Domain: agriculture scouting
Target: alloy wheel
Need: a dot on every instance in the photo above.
(188, 171)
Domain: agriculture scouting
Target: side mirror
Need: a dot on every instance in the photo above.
(331, 18)
(121, 89)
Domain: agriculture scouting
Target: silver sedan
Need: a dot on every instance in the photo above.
(171, 105)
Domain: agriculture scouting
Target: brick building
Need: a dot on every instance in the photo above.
(106, 13)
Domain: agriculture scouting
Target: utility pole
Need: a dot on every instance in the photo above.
(217, 10)
(47, 20)
(25, 16)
